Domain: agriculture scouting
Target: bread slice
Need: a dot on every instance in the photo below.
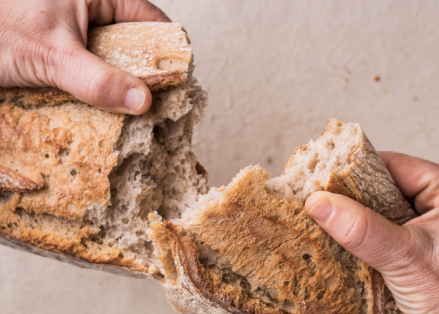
(250, 247)
(77, 183)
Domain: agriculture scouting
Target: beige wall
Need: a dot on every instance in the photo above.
(276, 71)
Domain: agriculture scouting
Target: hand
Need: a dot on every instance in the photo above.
(406, 256)
(42, 43)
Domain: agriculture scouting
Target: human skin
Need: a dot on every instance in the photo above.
(42, 43)
(407, 256)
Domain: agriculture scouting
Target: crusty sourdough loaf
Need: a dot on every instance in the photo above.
(125, 194)
(79, 182)
(250, 247)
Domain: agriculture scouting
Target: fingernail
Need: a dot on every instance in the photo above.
(134, 99)
(321, 211)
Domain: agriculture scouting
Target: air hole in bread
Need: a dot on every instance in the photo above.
(83, 242)
(148, 246)
(19, 211)
(73, 173)
(159, 134)
(62, 155)
(307, 294)
(310, 264)
(245, 284)
(96, 238)
(47, 156)
(313, 163)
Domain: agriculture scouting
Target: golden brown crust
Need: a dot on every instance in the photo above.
(264, 242)
(336, 185)
(162, 80)
(378, 289)
(157, 53)
(13, 182)
(74, 240)
(27, 96)
(186, 259)
(71, 147)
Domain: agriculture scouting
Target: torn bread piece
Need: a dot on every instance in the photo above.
(250, 247)
(343, 161)
(77, 183)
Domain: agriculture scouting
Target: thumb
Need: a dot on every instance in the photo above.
(363, 232)
(98, 83)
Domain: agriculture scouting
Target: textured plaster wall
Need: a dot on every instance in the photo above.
(276, 71)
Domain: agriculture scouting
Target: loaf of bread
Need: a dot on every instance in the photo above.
(126, 194)
(77, 183)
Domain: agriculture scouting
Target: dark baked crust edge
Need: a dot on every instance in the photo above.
(70, 258)
(28, 96)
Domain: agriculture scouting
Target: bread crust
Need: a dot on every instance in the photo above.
(71, 259)
(156, 53)
(72, 147)
(11, 181)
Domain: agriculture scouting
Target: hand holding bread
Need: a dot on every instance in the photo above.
(406, 256)
(127, 195)
(43, 43)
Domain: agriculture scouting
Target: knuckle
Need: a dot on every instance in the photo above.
(49, 62)
(29, 60)
(102, 84)
(58, 64)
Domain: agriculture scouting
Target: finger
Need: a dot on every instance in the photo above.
(366, 234)
(98, 83)
(416, 178)
(102, 12)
